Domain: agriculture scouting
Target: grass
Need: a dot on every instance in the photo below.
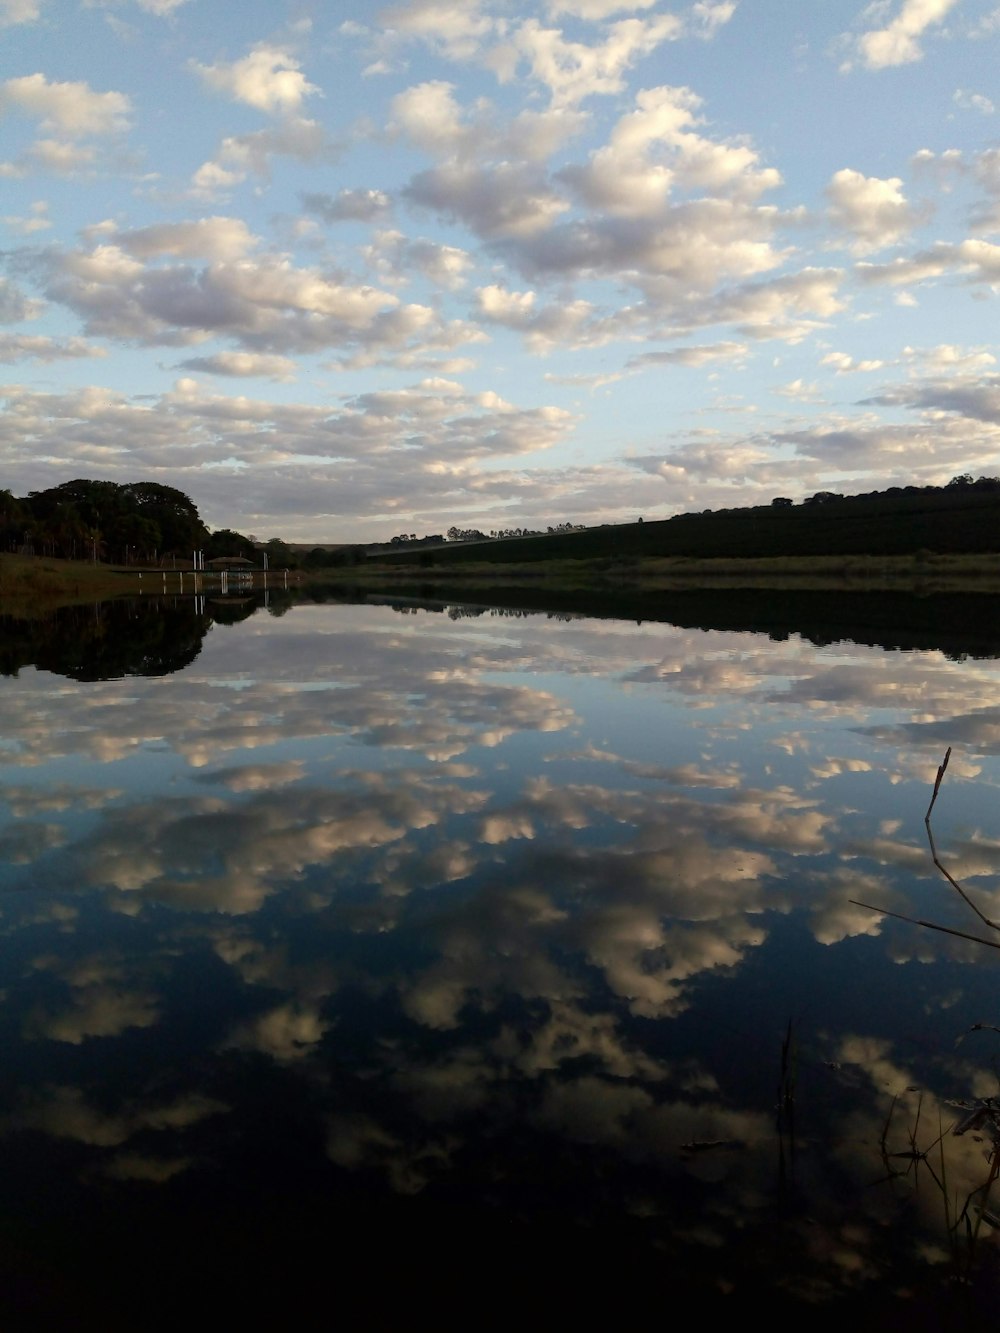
(963, 1220)
(32, 586)
(35, 585)
(920, 572)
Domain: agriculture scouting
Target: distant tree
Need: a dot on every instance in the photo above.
(94, 518)
(228, 542)
(13, 519)
(455, 534)
(279, 554)
(173, 512)
(781, 502)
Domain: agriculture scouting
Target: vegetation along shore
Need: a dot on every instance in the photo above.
(87, 540)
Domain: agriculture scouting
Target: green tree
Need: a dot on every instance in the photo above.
(279, 554)
(228, 542)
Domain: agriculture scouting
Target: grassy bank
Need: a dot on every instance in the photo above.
(33, 586)
(919, 573)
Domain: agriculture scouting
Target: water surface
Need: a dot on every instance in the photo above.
(458, 963)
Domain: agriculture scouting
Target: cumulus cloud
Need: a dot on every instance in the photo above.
(208, 238)
(270, 79)
(976, 260)
(247, 365)
(657, 149)
(159, 8)
(457, 31)
(572, 71)
(348, 205)
(874, 212)
(37, 347)
(508, 200)
(976, 397)
(74, 110)
(267, 304)
(397, 259)
(15, 305)
(704, 355)
(37, 220)
(843, 363)
(898, 42)
(433, 432)
(243, 155)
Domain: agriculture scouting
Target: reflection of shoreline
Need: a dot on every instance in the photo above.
(958, 625)
(149, 636)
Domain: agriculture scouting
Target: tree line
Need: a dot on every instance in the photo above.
(141, 522)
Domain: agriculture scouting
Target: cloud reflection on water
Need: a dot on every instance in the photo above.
(451, 882)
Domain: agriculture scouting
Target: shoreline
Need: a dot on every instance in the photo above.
(35, 585)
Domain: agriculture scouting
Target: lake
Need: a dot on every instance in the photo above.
(439, 961)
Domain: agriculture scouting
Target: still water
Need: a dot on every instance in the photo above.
(438, 962)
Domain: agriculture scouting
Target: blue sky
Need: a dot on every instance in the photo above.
(342, 271)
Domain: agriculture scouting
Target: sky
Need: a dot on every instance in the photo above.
(343, 271)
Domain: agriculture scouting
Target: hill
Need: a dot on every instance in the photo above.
(961, 518)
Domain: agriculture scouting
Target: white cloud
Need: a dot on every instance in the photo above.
(267, 304)
(898, 42)
(250, 154)
(457, 30)
(800, 391)
(244, 365)
(71, 109)
(873, 211)
(269, 78)
(430, 116)
(975, 259)
(159, 8)
(507, 200)
(19, 11)
(397, 260)
(210, 238)
(696, 357)
(58, 157)
(844, 364)
(949, 359)
(708, 16)
(37, 220)
(23, 347)
(573, 71)
(656, 148)
(970, 101)
(595, 9)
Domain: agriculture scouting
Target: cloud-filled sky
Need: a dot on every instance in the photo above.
(341, 271)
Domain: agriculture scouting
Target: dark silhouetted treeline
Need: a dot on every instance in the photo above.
(960, 518)
(127, 523)
(102, 521)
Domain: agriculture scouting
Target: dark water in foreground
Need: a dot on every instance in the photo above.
(477, 967)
